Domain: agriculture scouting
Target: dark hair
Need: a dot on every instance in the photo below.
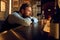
(24, 5)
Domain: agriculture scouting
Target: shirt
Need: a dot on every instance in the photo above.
(17, 18)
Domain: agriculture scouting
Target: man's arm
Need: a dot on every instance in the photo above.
(16, 18)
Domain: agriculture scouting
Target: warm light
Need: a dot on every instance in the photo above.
(17, 35)
(9, 6)
(1, 37)
(26, 0)
(3, 6)
(43, 12)
(3, 32)
(49, 9)
(59, 3)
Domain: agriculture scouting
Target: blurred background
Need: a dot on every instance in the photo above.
(41, 9)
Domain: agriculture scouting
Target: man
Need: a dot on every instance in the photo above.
(24, 16)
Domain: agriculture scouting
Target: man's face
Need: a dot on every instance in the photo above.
(27, 11)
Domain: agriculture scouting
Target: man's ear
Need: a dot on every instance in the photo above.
(22, 11)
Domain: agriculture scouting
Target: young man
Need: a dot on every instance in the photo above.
(24, 16)
(21, 18)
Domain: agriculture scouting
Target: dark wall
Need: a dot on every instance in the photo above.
(48, 4)
(45, 1)
(56, 17)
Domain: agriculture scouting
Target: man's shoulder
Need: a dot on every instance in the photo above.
(16, 14)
